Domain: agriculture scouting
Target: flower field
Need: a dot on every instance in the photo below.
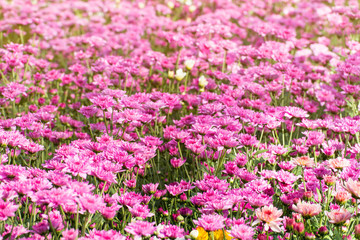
(179, 119)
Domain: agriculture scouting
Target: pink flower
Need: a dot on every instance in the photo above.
(91, 203)
(306, 209)
(110, 212)
(170, 231)
(7, 209)
(69, 234)
(141, 228)
(56, 220)
(140, 211)
(271, 216)
(338, 216)
(353, 187)
(338, 163)
(304, 161)
(177, 162)
(242, 232)
(211, 222)
(150, 188)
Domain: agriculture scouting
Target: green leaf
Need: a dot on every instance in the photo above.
(260, 151)
(319, 194)
(204, 169)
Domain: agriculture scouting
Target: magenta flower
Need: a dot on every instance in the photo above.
(170, 231)
(140, 228)
(177, 162)
(91, 203)
(7, 209)
(211, 222)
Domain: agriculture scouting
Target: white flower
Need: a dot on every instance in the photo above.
(171, 74)
(180, 74)
(194, 234)
(189, 64)
(203, 82)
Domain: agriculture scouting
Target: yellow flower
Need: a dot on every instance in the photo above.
(218, 234)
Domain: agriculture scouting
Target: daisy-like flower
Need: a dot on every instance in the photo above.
(353, 187)
(271, 216)
(307, 210)
(338, 216)
(304, 161)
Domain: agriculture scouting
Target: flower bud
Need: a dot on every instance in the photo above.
(171, 74)
(262, 236)
(308, 195)
(183, 197)
(180, 218)
(309, 236)
(289, 223)
(171, 5)
(323, 231)
(357, 231)
(329, 180)
(192, 8)
(299, 228)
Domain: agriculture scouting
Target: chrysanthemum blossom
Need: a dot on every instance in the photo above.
(306, 209)
(271, 216)
(338, 216)
(140, 228)
(7, 209)
(353, 187)
(338, 163)
(304, 161)
(242, 232)
(211, 222)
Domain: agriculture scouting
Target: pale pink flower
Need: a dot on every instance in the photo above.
(353, 187)
(271, 216)
(303, 161)
(306, 209)
(242, 232)
(338, 216)
(338, 163)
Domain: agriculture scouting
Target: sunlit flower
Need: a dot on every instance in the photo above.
(306, 209)
(304, 161)
(353, 187)
(271, 216)
(338, 216)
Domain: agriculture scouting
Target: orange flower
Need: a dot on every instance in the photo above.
(307, 210)
(271, 216)
(304, 161)
(218, 234)
(338, 216)
(353, 187)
